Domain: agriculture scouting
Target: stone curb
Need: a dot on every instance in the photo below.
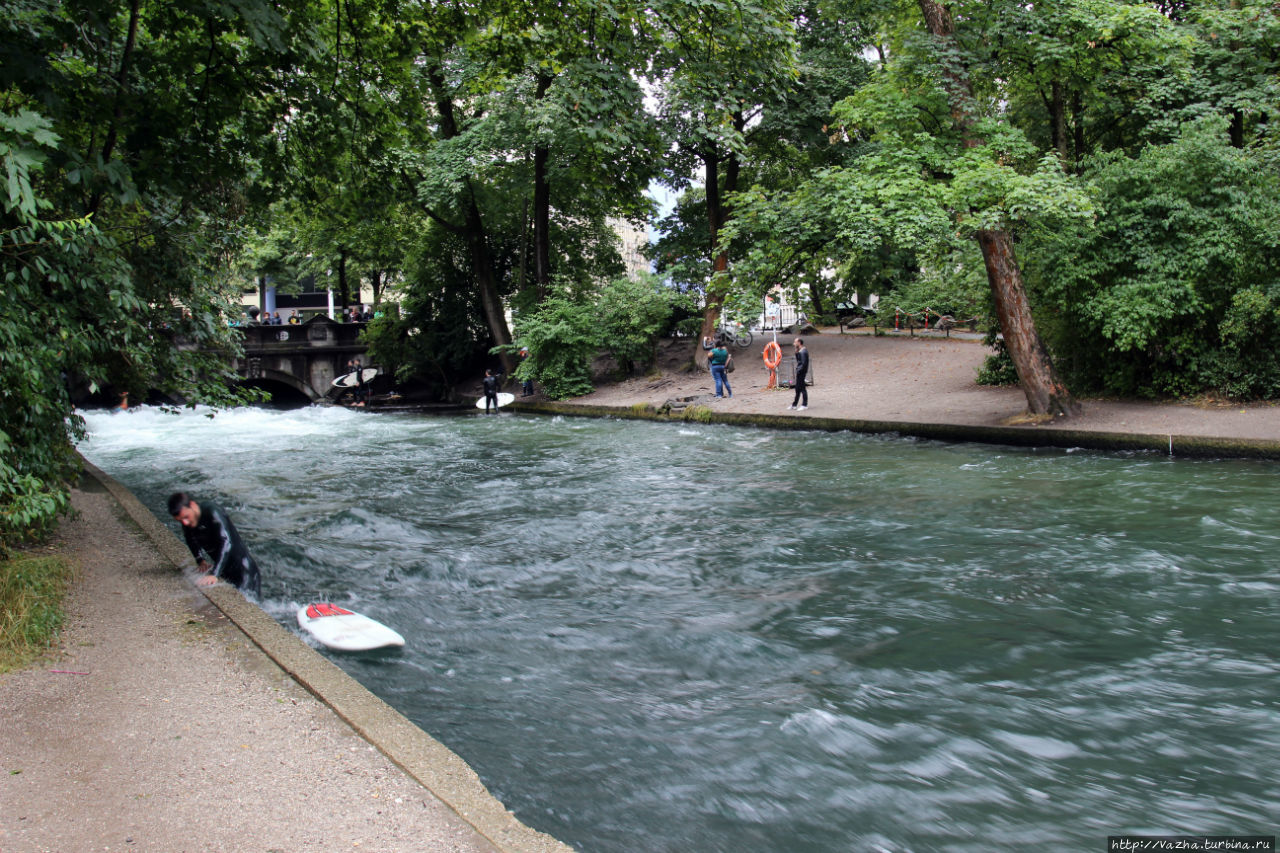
(1029, 436)
(432, 764)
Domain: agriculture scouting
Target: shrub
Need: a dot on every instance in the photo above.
(633, 314)
(563, 338)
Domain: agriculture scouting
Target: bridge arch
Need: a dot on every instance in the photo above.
(305, 358)
(266, 376)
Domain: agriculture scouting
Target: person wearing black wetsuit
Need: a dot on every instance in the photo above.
(209, 531)
(490, 391)
(362, 390)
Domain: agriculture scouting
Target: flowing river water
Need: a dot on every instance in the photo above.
(668, 637)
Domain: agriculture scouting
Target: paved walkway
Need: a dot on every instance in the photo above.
(926, 386)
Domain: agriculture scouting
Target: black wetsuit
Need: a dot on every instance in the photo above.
(490, 393)
(217, 537)
(362, 390)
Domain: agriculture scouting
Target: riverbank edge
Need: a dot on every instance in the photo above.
(433, 765)
(1193, 446)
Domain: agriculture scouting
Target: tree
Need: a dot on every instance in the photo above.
(1171, 291)
(500, 115)
(720, 64)
(128, 133)
(1045, 392)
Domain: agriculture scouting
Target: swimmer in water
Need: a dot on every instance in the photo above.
(208, 530)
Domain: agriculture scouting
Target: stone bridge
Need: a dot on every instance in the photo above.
(306, 358)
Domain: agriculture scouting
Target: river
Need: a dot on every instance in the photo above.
(662, 637)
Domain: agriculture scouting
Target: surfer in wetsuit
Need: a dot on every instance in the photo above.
(208, 530)
(362, 391)
(490, 391)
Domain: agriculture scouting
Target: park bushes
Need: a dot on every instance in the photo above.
(1176, 288)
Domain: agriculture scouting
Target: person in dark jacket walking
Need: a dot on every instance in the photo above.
(801, 401)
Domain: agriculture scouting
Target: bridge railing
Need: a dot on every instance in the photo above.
(317, 332)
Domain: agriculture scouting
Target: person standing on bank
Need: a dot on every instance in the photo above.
(209, 531)
(802, 373)
(490, 391)
(526, 390)
(719, 360)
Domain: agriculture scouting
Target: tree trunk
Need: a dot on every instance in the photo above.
(473, 232)
(117, 109)
(717, 216)
(1077, 118)
(343, 295)
(541, 207)
(1058, 116)
(1046, 394)
(486, 282)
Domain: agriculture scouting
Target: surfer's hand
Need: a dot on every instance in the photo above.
(202, 565)
(206, 580)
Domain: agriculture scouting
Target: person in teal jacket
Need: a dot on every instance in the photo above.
(719, 360)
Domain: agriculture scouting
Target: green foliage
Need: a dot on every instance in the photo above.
(563, 336)
(431, 331)
(1247, 364)
(125, 162)
(997, 368)
(1189, 241)
(31, 613)
(29, 503)
(953, 281)
(632, 316)
(697, 414)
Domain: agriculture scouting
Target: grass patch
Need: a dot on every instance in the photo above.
(697, 414)
(32, 588)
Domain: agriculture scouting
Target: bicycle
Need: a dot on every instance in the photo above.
(735, 333)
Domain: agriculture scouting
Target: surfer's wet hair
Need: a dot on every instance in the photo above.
(177, 502)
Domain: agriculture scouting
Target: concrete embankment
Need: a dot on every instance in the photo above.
(1018, 436)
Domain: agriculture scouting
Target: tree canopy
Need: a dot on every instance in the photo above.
(1095, 179)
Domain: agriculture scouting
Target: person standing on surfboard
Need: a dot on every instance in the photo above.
(208, 530)
(490, 391)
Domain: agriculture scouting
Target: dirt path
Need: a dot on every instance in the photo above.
(159, 728)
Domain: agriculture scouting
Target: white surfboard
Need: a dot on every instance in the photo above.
(344, 630)
(348, 380)
(503, 399)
